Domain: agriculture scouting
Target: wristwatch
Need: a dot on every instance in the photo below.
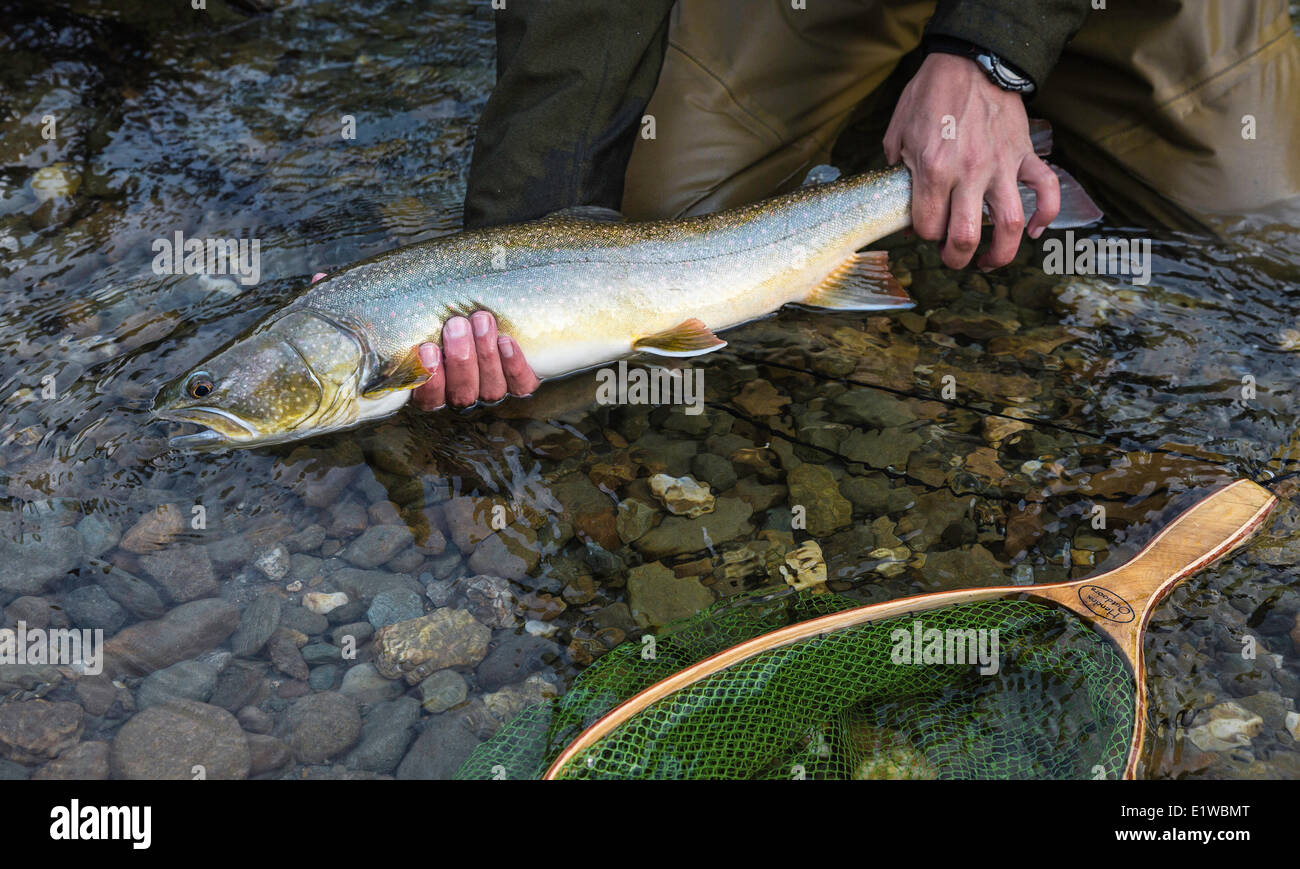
(999, 71)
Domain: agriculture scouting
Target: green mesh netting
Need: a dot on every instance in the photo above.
(838, 706)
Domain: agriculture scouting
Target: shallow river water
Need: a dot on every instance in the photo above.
(967, 442)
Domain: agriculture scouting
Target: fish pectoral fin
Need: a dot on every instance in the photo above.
(862, 283)
(407, 373)
(688, 338)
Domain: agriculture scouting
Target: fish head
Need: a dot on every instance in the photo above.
(289, 379)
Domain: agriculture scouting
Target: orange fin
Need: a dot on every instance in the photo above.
(688, 338)
(406, 373)
(862, 283)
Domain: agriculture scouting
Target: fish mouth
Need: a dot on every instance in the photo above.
(219, 428)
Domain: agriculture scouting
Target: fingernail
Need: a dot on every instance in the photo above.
(1036, 231)
(316, 277)
(506, 346)
(429, 357)
(457, 327)
(481, 320)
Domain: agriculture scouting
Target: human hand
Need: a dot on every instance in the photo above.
(486, 367)
(468, 368)
(953, 176)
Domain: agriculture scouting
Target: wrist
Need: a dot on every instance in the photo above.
(999, 72)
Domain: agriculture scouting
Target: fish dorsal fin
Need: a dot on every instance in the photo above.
(595, 213)
(688, 338)
(863, 282)
(406, 373)
(820, 174)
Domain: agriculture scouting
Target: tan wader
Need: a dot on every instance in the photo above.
(1156, 101)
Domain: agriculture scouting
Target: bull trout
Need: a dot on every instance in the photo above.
(576, 289)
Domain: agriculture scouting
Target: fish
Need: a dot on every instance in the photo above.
(576, 289)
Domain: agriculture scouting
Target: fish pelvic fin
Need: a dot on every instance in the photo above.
(688, 338)
(406, 373)
(863, 282)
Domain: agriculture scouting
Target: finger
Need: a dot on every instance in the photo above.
(520, 377)
(432, 394)
(491, 381)
(1008, 222)
(462, 365)
(893, 141)
(931, 190)
(1047, 188)
(963, 226)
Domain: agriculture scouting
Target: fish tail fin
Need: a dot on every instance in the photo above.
(863, 282)
(1040, 136)
(1077, 207)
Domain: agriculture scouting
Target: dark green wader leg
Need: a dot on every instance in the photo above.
(573, 81)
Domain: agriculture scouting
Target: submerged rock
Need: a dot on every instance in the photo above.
(511, 554)
(805, 567)
(91, 607)
(760, 398)
(320, 726)
(394, 605)
(658, 596)
(386, 732)
(180, 740)
(154, 530)
(273, 563)
(813, 488)
(37, 730)
(885, 755)
(683, 496)
(513, 699)
(86, 761)
(183, 570)
(256, 625)
(678, 534)
(378, 544)
(1230, 726)
(34, 558)
(635, 518)
(188, 680)
(364, 684)
(443, 690)
(490, 600)
(323, 603)
(183, 633)
(416, 648)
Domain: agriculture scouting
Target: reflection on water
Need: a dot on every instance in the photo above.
(536, 518)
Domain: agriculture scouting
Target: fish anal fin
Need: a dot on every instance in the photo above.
(863, 282)
(407, 373)
(688, 338)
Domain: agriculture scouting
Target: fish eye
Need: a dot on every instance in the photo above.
(199, 386)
